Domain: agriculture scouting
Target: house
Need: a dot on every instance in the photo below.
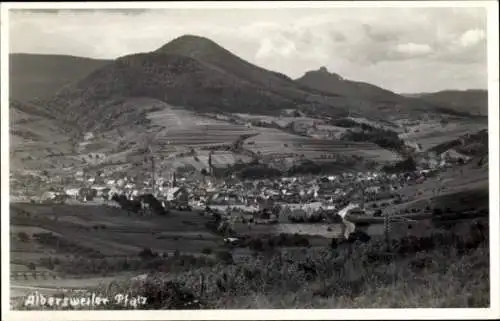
(373, 189)
(231, 240)
(49, 195)
(72, 192)
(79, 175)
(453, 155)
(179, 194)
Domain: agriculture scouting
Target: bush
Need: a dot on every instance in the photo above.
(23, 237)
(207, 250)
(256, 245)
(163, 294)
(47, 263)
(407, 165)
(146, 254)
(437, 211)
(225, 257)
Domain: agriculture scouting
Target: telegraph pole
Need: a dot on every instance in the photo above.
(153, 171)
(386, 231)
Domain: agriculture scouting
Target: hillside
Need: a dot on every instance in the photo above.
(333, 83)
(473, 101)
(376, 100)
(39, 76)
(38, 141)
(475, 145)
(196, 73)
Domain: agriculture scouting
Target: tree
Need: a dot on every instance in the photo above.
(333, 243)
(225, 256)
(146, 253)
(257, 245)
(23, 237)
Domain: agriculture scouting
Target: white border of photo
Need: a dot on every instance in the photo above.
(323, 314)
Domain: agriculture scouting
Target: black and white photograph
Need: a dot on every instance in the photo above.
(237, 157)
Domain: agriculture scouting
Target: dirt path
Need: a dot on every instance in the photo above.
(23, 288)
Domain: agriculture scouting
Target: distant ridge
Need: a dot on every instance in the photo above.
(198, 74)
(41, 75)
(326, 81)
(471, 101)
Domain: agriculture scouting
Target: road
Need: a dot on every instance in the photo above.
(17, 291)
(47, 287)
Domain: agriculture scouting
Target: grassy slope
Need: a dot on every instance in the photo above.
(275, 142)
(37, 140)
(474, 102)
(444, 276)
(39, 76)
(116, 233)
(432, 134)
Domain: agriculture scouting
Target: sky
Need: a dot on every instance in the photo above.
(406, 50)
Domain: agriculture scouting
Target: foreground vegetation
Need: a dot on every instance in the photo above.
(443, 269)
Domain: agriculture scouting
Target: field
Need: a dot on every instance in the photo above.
(387, 125)
(281, 120)
(200, 160)
(113, 232)
(449, 273)
(430, 134)
(186, 129)
(450, 184)
(173, 132)
(273, 142)
(169, 131)
(36, 142)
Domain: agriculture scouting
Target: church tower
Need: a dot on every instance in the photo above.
(210, 167)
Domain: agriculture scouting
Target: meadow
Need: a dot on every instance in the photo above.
(111, 231)
(274, 142)
(433, 133)
(442, 269)
(186, 129)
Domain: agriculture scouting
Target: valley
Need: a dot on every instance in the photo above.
(188, 164)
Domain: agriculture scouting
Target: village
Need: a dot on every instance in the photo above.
(273, 198)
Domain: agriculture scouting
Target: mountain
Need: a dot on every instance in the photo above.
(472, 101)
(38, 140)
(40, 76)
(198, 74)
(333, 83)
(377, 100)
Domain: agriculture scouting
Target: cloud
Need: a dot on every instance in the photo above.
(338, 36)
(414, 49)
(472, 37)
(367, 44)
(279, 46)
